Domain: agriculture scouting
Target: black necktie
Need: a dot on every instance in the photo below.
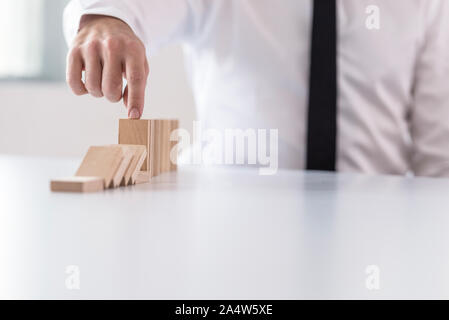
(322, 115)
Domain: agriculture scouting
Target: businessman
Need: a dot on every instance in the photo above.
(352, 85)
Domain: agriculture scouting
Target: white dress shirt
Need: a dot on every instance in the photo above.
(248, 62)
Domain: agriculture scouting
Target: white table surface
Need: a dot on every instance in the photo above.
(208, 233)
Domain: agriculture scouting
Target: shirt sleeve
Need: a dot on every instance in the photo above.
(430, 108)
(155, 22)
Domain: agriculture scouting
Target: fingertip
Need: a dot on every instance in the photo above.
(134, 113)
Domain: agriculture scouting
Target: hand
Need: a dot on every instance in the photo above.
(108, 50)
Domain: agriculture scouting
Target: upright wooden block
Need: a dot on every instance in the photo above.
(152, 150)
(138, 158)
(155, 136)
(165, 161)
(102, 161)
(136, 132)
(174, 125)
(77, 184)
(157, 148)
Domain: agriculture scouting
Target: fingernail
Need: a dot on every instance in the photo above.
(134, 113)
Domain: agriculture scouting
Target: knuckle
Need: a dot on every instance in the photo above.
(112, 44)
(74, 53)
(92, 46)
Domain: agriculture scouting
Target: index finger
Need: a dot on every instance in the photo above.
(136, 77)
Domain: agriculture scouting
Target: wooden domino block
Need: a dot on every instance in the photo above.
(108, 162)
(173, 153)
(151, 156)
(138, 158)
(157, 148)
(165, 161)
(77, 184)
(119, 175)
(144, 151)
(161, 145)
(155, 136)
(136, 132)
(142, 177)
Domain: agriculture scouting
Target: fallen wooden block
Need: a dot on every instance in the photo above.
(77, 184)
(142, 177)
(128, 154)
(108, 162)
(138, 158)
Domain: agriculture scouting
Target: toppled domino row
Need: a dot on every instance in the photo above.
(144, 151)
